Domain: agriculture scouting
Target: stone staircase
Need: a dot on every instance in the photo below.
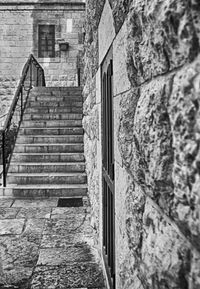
(48, 159)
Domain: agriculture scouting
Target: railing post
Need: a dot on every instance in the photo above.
(37, 76)
(4, 157)
(21, 102)
(43, 79)
(79, 76)
(31, 74)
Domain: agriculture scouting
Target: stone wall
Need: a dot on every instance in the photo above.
(19, 37)
(156, 78)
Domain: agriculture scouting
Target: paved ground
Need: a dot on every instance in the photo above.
(44, 246)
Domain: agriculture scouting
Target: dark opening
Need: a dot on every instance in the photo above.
(46, 44)
(70, 202)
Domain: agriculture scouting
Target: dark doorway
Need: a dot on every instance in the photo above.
(108, 168)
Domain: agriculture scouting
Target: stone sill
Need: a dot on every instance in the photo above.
(48, 60)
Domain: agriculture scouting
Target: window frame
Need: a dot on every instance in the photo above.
(41, 50)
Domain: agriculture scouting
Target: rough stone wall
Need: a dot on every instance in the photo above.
(15, 47)
(156, 78)
(19, 38)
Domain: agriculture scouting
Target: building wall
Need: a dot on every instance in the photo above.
(19, 37)
(156, 78)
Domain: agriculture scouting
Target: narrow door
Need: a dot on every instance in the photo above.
(108, 168)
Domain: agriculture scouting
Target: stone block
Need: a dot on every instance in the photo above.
(184, 117)
(117, 111)
(98, 86)
(8, 213)
(89, 95)
(106, 31)
(82, 275)
(63, 256)
(166, 256)
(11, 227)
(58, 241)
(145, 140)
(33, 212)
(67, 226)
(121, 243)
(160, 38)
(26, 203)
(120, 75)
(91, 124)
(6, 203)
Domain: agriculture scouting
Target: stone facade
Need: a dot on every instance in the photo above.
(19, 37)
(156, 97)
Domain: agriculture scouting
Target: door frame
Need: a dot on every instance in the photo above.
(108, 180)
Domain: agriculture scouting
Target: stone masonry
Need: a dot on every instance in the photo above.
(19, 23)
(156, 83)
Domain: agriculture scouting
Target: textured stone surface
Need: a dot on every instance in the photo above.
(57, 240)
(28, 213)
(17, 251)
(8, 213)
(120, 74)
(120, 11)
(184, 116)
(47, 251)
(73, 276)
(33, 203)
(145, 140)
(156, 139)
(10, 227)
(106, 27)
(63, 213)
(71, 225)
(62, 256)
(161, 37)
(6, 203)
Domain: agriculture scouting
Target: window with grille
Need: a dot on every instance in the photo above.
(46, 41)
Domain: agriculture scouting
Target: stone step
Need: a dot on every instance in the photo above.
(55, 103)
(59, 110)
(52, 123)
(36, 191)
(46, 167)
(48, 148)
(60, 98)
(46, 178)
(44, 139)
(49, 89)
(48, 157)
(51, 131)
(52, 116)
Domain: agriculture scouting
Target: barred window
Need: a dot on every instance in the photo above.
(46, 41)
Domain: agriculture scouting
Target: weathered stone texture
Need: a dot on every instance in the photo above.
(120, 75)
(120, 11)
(165, 254)
(156, 79)
(152, 253)
(161, 37)
(106, 27)
(184, 116)
(145, 140)
(91, 96)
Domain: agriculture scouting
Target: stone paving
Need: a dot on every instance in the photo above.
(44, 246)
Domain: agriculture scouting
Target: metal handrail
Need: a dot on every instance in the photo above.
(32, 75)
